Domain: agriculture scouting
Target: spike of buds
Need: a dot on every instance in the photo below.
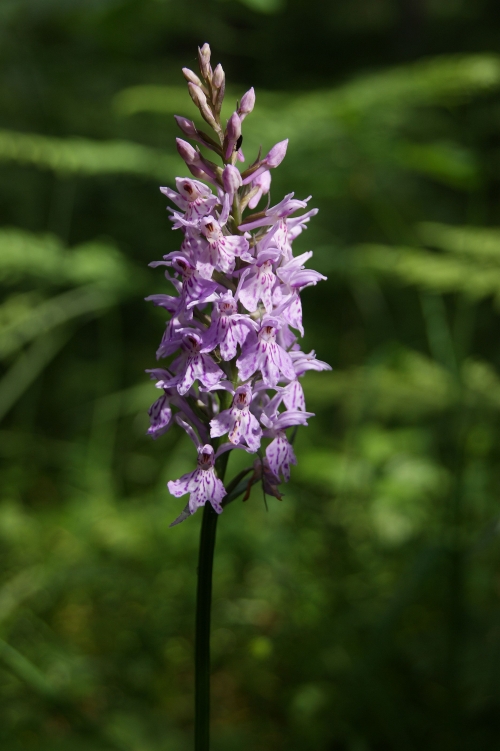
(247, 103)
(204, 54)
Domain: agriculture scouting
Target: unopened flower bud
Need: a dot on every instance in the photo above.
(200, 101)
(197, 172)
(186, 151)
(191, 77)
(233, 132)
(277, 154)
(218, 77)
(231, 179)
(187, 126)
(204, 61)
(197, 94)
(247, 103)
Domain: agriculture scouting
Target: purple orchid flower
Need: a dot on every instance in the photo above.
(194, 197)
(280, 453)
(263, 184)
(193, 365)
(222, 249)
(228, 328)
(257, 282)
(202, 484)
(238, 421)
(262, 353)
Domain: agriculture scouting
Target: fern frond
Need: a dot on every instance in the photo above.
(429, 271)
(24, 254)
(86, 157)
(480, 242)
(413, 386)
(34, 321)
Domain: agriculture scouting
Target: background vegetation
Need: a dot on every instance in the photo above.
(362, 613)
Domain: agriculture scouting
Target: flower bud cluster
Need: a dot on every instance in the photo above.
(232, 379)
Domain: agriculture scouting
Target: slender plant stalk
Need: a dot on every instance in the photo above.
(203, 611)
(202, 649)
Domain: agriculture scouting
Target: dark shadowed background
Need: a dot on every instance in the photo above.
(362, 613)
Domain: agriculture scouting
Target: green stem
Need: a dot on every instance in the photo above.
(203, 608)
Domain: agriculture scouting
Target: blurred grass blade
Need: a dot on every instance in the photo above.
(28, 367)
(41, 319)
(26, 671)
(20, 588)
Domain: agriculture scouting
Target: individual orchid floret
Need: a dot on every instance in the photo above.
(228, 328)
(240, 424)
(280, 453)
(263, 353)
(162, 376)
(194, 290)
(289, 205)
(261, 185)
(247, 103)
(296, 276)
(280, 456)
(202, 484)
(271, 160)
(194, 198)
(193, 365)
(257, 282)
(303, 362)
(222, 249)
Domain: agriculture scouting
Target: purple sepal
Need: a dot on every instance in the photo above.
(160, 415)
(280, 455)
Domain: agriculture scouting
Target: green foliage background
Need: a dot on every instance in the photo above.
(362, 613)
